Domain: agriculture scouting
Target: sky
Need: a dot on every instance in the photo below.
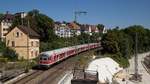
(111, 13)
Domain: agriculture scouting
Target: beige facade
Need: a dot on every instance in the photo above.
(24, 44)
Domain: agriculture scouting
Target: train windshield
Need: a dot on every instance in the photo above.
(43, 57)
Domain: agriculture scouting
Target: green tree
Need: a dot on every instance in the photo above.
(120, 43)
(10, 54)
(110, 43)
(143, 35)
(115, 43)
(39, 22)
(1, 15)
(42, 24)
(83, 38)
(100, 28)
(2, 46)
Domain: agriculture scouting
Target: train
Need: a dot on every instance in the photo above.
(48, 58)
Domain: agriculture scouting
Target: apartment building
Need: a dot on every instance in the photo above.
(5, 23)
(62, 30)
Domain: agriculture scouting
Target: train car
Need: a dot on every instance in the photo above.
(49, 58)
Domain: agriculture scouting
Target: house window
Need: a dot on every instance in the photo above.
(17, 34)
(37, 43)
(21, 34)
(36, 53)
(4, 23)
(31, 53)
(7, 42)
(4, 29)
(13, 44)
(31, 43)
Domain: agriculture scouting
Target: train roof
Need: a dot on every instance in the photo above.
(57, 51)
(65, 49)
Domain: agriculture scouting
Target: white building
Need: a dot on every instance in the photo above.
(104, 30)
(21, 14)
(67, 29)
(62, 30)
(71, 29)
(89, 29)
(75, 28)
(6, 22)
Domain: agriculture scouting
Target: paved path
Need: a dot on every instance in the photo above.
(145, 75)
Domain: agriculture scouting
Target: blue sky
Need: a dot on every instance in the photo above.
(111, 13)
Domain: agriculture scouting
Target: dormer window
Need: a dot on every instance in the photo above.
(17, 34)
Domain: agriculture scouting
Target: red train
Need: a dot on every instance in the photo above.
(50, 57)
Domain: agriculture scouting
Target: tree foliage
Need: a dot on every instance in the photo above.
(2, 46)
(100, 28)
(42, 24)
(120, 43)
(1, 15)
(39, 22)
(10, 54)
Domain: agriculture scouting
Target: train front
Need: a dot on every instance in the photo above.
(43, 61)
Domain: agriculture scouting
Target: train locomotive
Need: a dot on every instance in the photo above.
(48, 58)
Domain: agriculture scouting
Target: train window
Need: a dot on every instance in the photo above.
(49, 58)
(44, 58)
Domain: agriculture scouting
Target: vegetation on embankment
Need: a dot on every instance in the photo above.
(119, 43)
(82, 59)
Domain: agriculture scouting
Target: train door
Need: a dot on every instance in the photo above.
(50, 60)
(60, 56)
(54, 58)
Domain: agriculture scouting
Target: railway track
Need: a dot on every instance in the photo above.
(11, 75)
(39, 77)
(29, 77)
(53, 76)
(50, 76)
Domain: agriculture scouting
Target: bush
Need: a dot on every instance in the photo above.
(2, 46)
(3, 60)
(10, 54)
(123, 62)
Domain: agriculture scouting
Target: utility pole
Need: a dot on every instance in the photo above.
(136, 57)
(75, 20)
(22, 23)
(126, 55)
(27, 66)
(136, 76)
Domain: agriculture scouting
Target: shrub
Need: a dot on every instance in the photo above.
(10, 54)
